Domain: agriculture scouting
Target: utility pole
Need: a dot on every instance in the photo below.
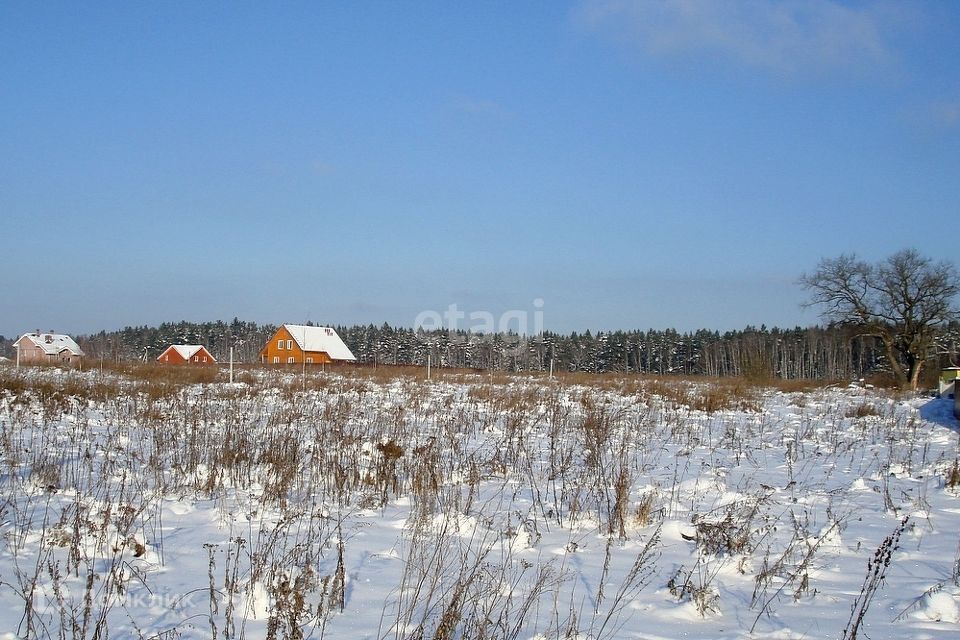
(231, 364)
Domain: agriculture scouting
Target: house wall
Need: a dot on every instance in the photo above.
(272, 354)
(29, 352)
(201, 354)
(946, 389)
(170, 356)
(67, 357)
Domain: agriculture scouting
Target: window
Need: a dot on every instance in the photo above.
(290, 360)
(276, 359)
(196, 358)
(289, 344)
(279, 344)
(309, 360)
(204, 358)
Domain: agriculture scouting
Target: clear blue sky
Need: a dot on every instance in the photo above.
(632, 164)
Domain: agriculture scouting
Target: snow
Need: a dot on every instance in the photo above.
(320, 339)
(186, 351)
(941, 607)
(390, 508)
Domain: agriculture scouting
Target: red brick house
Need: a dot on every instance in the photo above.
(186, 354)
(48, 347)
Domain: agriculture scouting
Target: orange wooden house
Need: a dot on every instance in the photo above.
(186, 354)
(301, 344)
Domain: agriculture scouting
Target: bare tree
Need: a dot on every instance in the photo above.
(902, 300)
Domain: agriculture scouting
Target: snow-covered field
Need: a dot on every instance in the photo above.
(352, 506)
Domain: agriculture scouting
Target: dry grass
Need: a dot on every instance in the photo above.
(310, 445)
(58, 394)
(863, 410)
(167, 374)
(952, 479)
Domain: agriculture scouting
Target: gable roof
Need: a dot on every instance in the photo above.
(322, 339)
(186, 351)
(53, 343)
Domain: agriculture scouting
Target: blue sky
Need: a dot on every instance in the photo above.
(632, 164)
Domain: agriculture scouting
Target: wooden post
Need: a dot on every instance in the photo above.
(231, 365)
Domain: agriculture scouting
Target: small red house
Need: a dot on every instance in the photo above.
(186, 354)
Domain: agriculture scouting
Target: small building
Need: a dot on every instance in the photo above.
(948, 377)
(186, 354)
(301, 344)
(947, 387)
(48, 347)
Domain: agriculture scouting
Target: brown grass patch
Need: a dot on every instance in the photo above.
(862, 410)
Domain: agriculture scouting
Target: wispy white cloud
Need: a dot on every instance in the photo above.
(780, 36)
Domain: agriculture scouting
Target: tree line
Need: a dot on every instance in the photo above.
(832, 352)
(892, 316)
(836, 352)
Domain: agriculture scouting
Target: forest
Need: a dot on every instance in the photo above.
(833, 352)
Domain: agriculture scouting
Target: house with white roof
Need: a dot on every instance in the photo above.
(303, 344)
(48, 347)
(186, 354)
